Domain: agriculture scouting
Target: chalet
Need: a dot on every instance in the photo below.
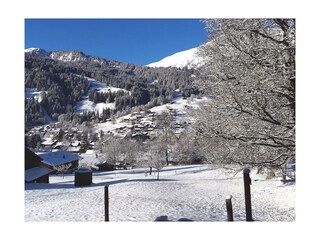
(75, 143)
(150, 129)
(132, 120)
(58, 158)
(151, 117)
(59, 145)
(74, 149)
(49, 143)
(34, 171)
(105, 166)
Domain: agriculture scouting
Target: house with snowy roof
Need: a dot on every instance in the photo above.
(35, 172)
(59, 158)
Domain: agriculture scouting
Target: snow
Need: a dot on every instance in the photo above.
(36, 172)
(89, 106)
(102, 87)
(33, 93)
(57, 158)
(181, 59)
(48, 142)
(178, 104)
(31, 50)
(68, 56)
(195, 192)
(36, 52)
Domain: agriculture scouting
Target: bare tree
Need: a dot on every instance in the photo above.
(131, 150)
(249, 75)
(187, 149)
(111, 150)
(152, 156)
(166, 137)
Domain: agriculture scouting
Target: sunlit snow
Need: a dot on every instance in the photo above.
(182, 59)
(195, 192)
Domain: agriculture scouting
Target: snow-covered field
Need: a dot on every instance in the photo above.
(196, 192)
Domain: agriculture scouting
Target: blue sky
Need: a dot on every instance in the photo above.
(139, 41)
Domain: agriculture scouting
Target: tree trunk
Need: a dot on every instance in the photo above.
(167, 157)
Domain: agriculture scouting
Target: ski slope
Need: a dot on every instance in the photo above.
(85, 105)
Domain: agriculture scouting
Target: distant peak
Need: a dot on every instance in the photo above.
(36, 52)
(68, 56)
(187, 58)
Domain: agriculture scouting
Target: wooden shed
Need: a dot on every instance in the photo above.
(34, 171)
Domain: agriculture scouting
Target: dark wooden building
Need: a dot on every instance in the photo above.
(59, 158)
(35, 172)
(104, 166)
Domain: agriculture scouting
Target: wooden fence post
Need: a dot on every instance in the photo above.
(229, 208)
(247, 193)
(106, 203)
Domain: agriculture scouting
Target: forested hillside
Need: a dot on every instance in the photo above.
(61, 79)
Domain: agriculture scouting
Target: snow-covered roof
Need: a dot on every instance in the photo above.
(75, 143)
(74, 149)
(57, 158)
(48, 142)
(36, 172)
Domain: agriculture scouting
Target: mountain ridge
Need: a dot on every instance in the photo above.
(187, 58)
(65, 55)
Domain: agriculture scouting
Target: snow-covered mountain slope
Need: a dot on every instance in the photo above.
(85, 105)
(65, 56)
(68, 56)
(33, 93)
(182, 59)
(37, 52)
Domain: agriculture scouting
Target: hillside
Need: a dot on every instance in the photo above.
(62, 78)
(187, 58)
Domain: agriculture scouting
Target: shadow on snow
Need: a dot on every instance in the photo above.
(70, 184)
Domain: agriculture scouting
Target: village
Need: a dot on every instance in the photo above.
(62, 147)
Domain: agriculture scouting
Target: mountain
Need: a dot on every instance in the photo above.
(68, 56)
(181, 59)
(62, 79)
(65, 56)
(37, 52)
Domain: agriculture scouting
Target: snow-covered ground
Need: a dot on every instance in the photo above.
(196, 192)
(180, 105)
(33, 93)
(89, 106)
